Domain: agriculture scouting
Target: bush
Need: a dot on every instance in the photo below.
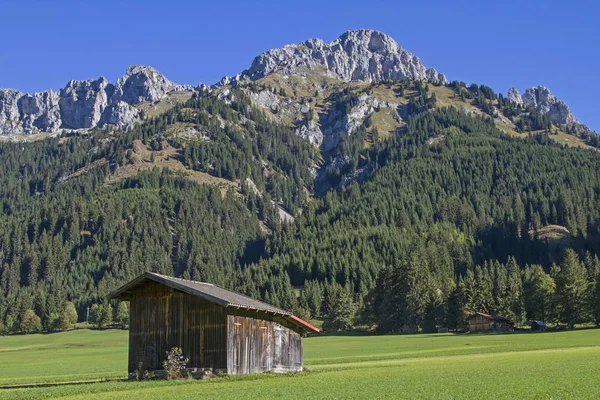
(175, 364)
(30, 322)
(100, 315)
(122, 317)
(142, 374)
(70, 313)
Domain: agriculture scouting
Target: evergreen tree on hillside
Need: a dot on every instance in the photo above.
(572, 290)
(538, 292)
(596, 301)
(514, 297)
(341, 310)
(455, 311)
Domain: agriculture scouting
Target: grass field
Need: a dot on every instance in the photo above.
(554, 365)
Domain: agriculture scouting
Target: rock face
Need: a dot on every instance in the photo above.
(515, 97)
(83, 104)
(310, 131)
(121, 114)
(140, 84)
(359, 55)
(338, 123)
(541, 99)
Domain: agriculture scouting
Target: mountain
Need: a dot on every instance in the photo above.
(359, 55)
(84, 104)
(356, 56)
(307, 179)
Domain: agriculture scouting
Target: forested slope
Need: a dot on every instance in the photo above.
(408, 219)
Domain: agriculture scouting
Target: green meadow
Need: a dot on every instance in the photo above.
(553, 365)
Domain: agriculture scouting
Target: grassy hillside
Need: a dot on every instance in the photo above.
(518, 365)
(316, 89)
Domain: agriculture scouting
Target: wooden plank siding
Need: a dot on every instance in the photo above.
(257, 345)
(238, 341)
(163, 318)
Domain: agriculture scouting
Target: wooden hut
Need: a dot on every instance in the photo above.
(217, 329)
(480, 322)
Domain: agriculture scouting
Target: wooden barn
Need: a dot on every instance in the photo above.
(480, 322)
(217, 329)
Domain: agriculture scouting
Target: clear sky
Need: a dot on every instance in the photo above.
(498, 43)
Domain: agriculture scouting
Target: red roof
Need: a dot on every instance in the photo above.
(305, 324)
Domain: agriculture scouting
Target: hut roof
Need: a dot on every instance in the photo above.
(494, 317)
(207, 291)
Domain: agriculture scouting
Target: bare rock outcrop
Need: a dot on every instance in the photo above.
(358, 55)
(121, 114)
(541, 99)
(515, 97)
(338, 123)
(84, 104)
(140, 84)
(9, 111)
(310, 131)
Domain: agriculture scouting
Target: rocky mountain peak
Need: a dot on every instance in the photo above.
(357, 55)
(541, 99)
(142, 83)
(84, 104)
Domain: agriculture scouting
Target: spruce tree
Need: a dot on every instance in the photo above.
(572, 290)
(538, 292)
(341, 311)
(596, 301)
(514, 297)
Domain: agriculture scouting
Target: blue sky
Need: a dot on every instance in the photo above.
(500, 44)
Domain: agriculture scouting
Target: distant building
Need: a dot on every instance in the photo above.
(538, 325)
(216, 328)
(480, 322)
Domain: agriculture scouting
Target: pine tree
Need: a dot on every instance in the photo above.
(596, 300)
(514, 289)
(455, 307)
(538, 292)
(572, 290)
(341, 310)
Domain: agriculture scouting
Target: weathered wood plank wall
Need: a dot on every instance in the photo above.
(256, 345)
(163, 318)
(239, 341)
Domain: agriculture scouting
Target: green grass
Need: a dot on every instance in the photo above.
(443, 366)
(59, 357)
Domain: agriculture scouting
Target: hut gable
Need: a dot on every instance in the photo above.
(480, 322)
(216, 328)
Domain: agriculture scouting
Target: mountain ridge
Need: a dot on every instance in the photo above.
(361, 55)
(357, 55)
(84, 104)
